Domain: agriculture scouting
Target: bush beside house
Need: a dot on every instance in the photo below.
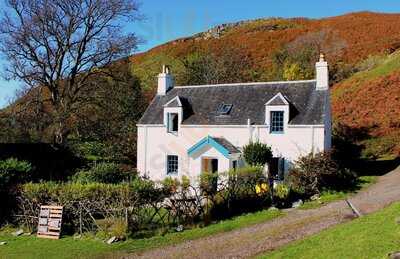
(314, 173)
(102, 199)
(103, 172)
(257, 154)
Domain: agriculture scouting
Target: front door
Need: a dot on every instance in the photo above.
(209, 165)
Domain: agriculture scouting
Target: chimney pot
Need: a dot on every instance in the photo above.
(165, 81)
(321, 57)
(322, 73)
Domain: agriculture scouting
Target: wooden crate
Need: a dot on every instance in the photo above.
(50, 221)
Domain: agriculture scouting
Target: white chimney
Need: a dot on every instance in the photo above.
(165, 81)
(322, 73)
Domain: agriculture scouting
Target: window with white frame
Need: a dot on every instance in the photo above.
(277, 122)
(172, 164)
(172, 123)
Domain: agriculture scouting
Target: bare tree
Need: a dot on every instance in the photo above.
(230, 65)
(327, 41)
(58, 47)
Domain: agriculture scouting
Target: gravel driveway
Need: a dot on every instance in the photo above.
(257, 239)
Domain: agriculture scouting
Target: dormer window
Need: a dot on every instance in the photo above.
(277, 121)
(173, 115)
(277, 113)
(173, 120)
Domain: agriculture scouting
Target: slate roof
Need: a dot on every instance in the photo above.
(200, 103)
(228, 145)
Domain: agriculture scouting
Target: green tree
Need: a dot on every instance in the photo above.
(111, 117)
(257, 154)
(294, 71)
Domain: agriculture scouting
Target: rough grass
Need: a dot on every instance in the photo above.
(90, 247)
(372, 236)
(384, 68)
(330, 196)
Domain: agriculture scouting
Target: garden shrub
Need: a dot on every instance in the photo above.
(309, 171)
(237, 192)
(170, 185)
(314, 172)
(13, 171)
(282, 194)
(257, 154)
(142, 206)
(209, 183)
(243, 181)
(90, 150)
(185, 182)
(262, 188)
(88, 202)
(282, 191)
(111, 227)
(102, 173)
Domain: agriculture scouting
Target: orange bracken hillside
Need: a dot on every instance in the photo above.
(370, 101)
(362, 34)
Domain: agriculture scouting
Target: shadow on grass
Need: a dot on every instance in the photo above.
(374, 167)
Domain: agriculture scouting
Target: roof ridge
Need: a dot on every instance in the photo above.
(248, 83)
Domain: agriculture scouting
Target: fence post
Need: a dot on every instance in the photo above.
(126, 216)
(80, 219)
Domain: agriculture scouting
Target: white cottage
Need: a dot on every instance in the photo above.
(187, 130)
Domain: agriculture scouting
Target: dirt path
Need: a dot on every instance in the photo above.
(251, 241)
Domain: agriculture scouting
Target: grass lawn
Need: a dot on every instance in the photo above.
(326, 197)
(372, 236)
(68, 247)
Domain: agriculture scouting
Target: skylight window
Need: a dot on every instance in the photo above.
(224, 109)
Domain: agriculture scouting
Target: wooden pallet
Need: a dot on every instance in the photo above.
(50, 220)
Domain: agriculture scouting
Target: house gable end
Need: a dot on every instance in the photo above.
(175, 102)
(278, 99)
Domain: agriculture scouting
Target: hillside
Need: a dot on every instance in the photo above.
(349, 39)
(369, 103)
(361, 49)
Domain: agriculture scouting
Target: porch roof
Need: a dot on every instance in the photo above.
(221, 144)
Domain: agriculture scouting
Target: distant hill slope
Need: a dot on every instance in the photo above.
(356, 35)
(368, 102)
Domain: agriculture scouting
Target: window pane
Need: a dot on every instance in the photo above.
(172, 122)
(277, 122)
(175, 122)
(172, 164)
